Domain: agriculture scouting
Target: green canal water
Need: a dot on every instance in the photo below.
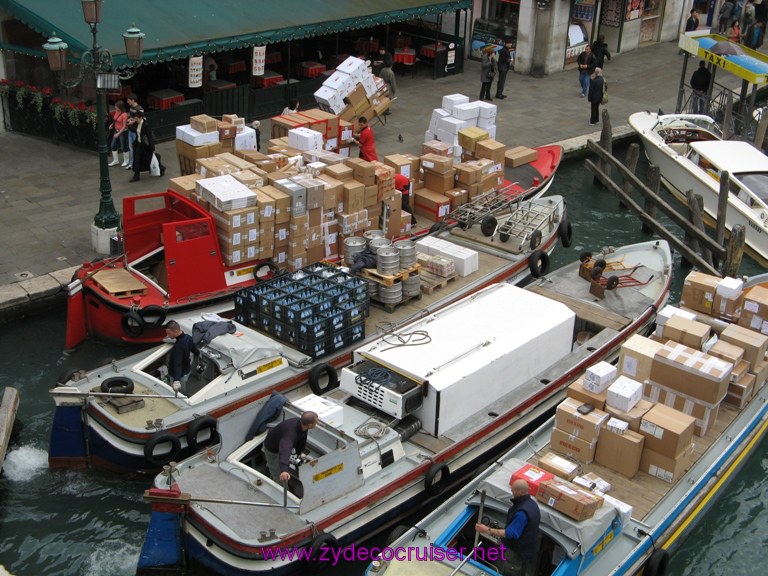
(89, 523)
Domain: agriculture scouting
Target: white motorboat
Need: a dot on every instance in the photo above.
(417, 411)
(691, 155)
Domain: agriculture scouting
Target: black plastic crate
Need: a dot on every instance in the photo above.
(320, 303)
(299, 311)
(336, 319)
(267, 300)
(354, 312)
(281, 308)
(314, 348)
(313, 328)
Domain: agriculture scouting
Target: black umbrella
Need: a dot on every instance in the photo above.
(725, 48)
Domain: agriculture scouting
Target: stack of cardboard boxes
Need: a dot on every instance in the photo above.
(336, 132)
(352, 91)
(205, 136)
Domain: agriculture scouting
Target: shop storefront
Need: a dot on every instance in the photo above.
(497, 22)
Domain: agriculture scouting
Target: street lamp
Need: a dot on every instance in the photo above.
(98, 61)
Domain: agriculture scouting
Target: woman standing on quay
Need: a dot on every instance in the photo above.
(596, 89)
(487, 73)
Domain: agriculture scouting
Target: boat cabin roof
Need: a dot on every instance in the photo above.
(734, 156)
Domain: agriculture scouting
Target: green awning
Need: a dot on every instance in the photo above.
(181, 28)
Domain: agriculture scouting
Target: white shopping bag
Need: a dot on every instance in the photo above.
(154, 166)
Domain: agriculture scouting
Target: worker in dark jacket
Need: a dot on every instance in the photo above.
(504, 66)
(180, 358)
(290, 434)
(700, 81)
(600, 50)
(521, 534)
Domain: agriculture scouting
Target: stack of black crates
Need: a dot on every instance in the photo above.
(317, 310)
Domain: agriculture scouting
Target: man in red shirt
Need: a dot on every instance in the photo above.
(403, 185)
(365, 140)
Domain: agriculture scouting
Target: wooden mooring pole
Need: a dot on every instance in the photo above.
(633, 156)
(8, 408)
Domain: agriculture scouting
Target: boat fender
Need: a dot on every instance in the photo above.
(197, 426)
(316, 375)
(265, 271)
(74, 374)
(612, 282)
(316, 561)
(535, 239)
(657, 564)
(117, 385)
(153, 316)
(488, 226)
(132, 324)
(436, 479)
(397, 533)
(565, 231)
(585, 257)
(538, 263)
(161, 437)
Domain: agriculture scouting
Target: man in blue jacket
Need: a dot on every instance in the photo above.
(180, 357)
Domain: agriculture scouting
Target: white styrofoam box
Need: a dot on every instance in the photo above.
(447, 137)
(305, 139)
(425, 244)
(465, 260)
(342, 83)
(491, 132)
(486, 109)
(599, 376)
(729, 287)
(624, 393)
(437, 113)
(331, 98)
(668, 311)
(246, 140)
(191, 136)
(355, 67)
(429, 135)
(226, 192)
(466, 111)
(329, 412)
(452, 125)
(451, 100)
(486, 123)
(369, 84)
(623, 510)
(616, 425)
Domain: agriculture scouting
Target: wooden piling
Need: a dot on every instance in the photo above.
(728, 116)
(653, 181)
(762, 128)
(633, 156)
(734, 250)
(8, 408)
(606, 143)
(695, 208)
(722, 206)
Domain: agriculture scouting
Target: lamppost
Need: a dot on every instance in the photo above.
(98, 61)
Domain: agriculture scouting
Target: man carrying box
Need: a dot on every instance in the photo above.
(364, 138)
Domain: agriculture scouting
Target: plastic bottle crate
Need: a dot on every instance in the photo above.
(353, 312)
(355, 333)
(267, 300)
(284, 283)
(300, 310)
(264, 324)
(305, 293)
(340, 294)
(320, 303)
(358, 288)
(241, 301)
(336, 319)
(337, 340)
(323, 286)
(314, 349)
(313, 328)
(281, 308)
(242, 318)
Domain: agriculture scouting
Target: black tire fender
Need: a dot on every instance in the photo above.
(265, 271)
(396, 533)
(436, 480)
(161, 437)
(612, 282)
(538, 263)
(488, 225)
(535, 239)
(585, 257)
(117, 385)
(324, 540)
(132, 324)
(657, 564)
(565, 231)
(153, 316)
(73, 374)
(199, 424)
(316, 375)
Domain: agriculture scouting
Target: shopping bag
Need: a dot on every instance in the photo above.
(154, 166)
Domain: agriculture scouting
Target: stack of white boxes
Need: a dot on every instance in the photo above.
(598, 377)
(226, 193)
(456, 113)
(342, 82)
(305, 139)
(466, 260)
(624, 394)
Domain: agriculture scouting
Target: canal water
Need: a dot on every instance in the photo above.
(89, 523)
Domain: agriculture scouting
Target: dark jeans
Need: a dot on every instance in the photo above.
(120, 143)
(406, 206)
(500, 83)
(595, 115)
(485, 90)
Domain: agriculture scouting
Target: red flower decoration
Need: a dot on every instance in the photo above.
(19, 84)
(81, 106)
(5, 81)
(56, 101)
(47, 91)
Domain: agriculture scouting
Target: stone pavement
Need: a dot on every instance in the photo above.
(49, 193)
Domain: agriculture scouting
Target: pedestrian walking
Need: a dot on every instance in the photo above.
(587, 64)
(143, 148)
(119, 130)
(505, 65)
(382, 67)
(600, 50)
(487, 73)
(700, 81)
(133, 108)
(724, 16)
(597, 89)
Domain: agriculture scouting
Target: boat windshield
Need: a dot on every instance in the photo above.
(700, 123)
(757, 183)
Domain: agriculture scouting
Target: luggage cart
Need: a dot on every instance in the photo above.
(527, 224)
(611, 274)
(482, 210)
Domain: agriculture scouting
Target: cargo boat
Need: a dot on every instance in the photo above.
(415, 413)
(142, 424)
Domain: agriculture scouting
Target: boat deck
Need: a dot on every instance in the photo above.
(643, 492)
(152, 409)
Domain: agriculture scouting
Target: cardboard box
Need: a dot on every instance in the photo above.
(754, 310)
(203, 123)
(620, 452)
(573, 446)
(631, 417)
(235, 220)
(491, 149)
(439, 183)
(689, 332)
(431, 205)
(436, 164)
(468, 173)
(691, 372)
(578, 392)
(354, 196)
(469, 137)
(458, 196)
(704, 412)
(282, 203)
(340, 172)
(753, 343)
(520, 155)
(667, 468)
(599, 376)
(727, 351)
(740, 392)
(401, 164)
(558, 465)
(583, 426)
(533, 476)
(667, 431)
(184, 185)
(699, 292)
(761, 374)
(624, 393)
(568, 499)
